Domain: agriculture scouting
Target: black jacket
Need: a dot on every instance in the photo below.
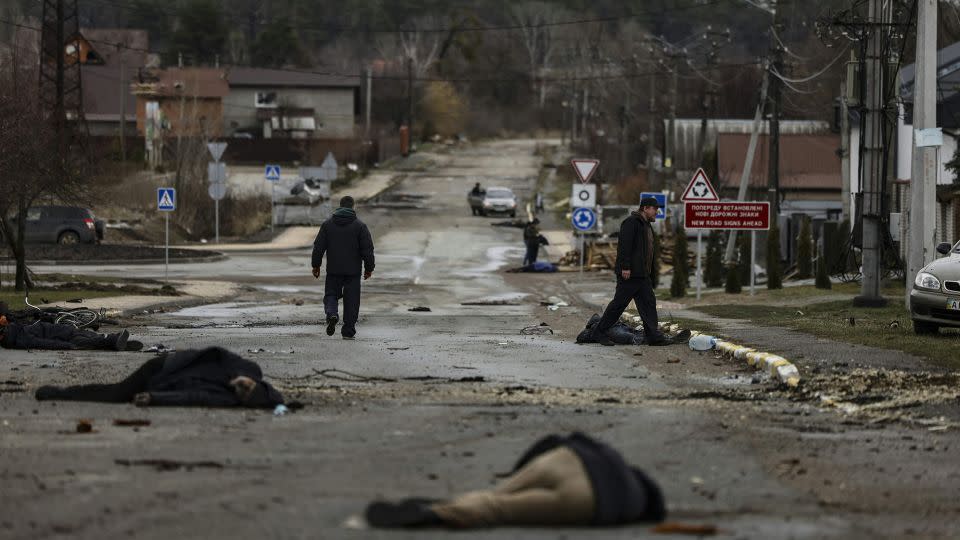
(622, 494)
(632, 246)
(347, 243)
(202, 378)
(48, 336)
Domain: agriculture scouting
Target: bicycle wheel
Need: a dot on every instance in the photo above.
(80, 318)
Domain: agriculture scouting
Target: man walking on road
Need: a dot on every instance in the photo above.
(531, 240)
(634, 269)
(349, 248)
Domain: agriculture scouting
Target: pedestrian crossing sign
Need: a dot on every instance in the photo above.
(166, 199)
(272, 173)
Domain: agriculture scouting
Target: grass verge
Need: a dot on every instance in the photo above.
(14, 299)
(888, 328)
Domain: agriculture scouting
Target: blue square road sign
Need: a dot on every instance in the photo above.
(272, 173)
(166, 199)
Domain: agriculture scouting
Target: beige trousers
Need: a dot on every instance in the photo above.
(552, 489)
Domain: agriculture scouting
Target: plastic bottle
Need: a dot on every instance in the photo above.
(280, 410)
(702, 342)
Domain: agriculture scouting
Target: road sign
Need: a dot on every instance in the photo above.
(584, 196)
(217, 149)
(328, 169)
(217, 191)
(700, 189)
(166, 199)
(584, 168)
(216, 172)
(661, 200)
(272, 173)
(727, 216)
(584, 219)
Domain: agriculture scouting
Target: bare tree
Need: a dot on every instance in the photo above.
(418, 44)
(33, 164)
(538, 34)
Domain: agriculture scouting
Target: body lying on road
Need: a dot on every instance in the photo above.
(211, 377)
(59, 337)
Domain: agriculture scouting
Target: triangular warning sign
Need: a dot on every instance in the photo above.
(700, 189)
(584, 168)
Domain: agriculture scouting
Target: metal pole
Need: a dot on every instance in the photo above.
(845, 153)
(166, 247)
(369, 98)
(922, 222)
(753, 263)
(699, 272)
(216, 218)
(581, 255)
(273, 206)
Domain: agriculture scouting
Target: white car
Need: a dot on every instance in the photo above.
(499, 200)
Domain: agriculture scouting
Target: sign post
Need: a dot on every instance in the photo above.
(166, 203)
(217, 175)
(753, 263)
(699, 189)
(583, 220)
(272, 174)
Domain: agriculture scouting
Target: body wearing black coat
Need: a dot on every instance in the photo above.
(53, 337)
(347, 244)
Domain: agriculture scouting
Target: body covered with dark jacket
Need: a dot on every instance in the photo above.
(635, 246)
(204, 377)
(54, 337)
(347, 244)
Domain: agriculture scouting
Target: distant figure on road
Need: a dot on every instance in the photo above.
(634, 269)
(531, 239)
(477, 190)
(349, 248)
(538, 203)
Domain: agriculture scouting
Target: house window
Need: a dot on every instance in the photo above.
(266, 100)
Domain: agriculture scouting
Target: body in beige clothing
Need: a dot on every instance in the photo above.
(552, 489)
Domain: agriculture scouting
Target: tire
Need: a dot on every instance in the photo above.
(922, 328)
(68, 238)
(513, 214)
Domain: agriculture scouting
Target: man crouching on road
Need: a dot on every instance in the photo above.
(634, 269)
(349, 248)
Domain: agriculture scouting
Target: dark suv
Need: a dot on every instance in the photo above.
(63, 225)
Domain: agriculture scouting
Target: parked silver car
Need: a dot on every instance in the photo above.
(499, 200)
(935, 298)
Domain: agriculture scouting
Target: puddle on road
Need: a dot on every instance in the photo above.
(497, 258)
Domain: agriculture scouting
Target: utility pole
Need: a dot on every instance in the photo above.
(124, 88)
(369, 100)
(872, 173)
(410, 96)
(668, 159)
(845, 153)
(773, 178)
(923, 177)
(652, 131)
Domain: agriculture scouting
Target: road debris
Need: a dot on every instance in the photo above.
(169, 464)
(538, 330)
(685, 528)
(135, 422)
(84, 425)
(420, 309)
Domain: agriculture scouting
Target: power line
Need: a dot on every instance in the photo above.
(815, 75)
(404, 78)
(695, 5)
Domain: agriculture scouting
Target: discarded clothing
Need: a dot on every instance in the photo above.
(539, 266)
(572, 480)
(619, 333)
(211, 377)
(59, 337)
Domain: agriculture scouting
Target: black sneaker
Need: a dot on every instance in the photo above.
(661, 341)
(682, 337)
(332, 321)
(134, 345)
(121, 343)
(603, 339)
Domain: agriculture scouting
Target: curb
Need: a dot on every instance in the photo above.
(182, 260)
(775, 365)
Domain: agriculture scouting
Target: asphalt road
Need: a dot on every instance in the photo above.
(727, 448)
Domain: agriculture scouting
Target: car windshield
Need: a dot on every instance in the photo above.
(499, 194)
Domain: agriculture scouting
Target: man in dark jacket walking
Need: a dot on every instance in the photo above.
(634, 269)
(349, 248)
(531, 239)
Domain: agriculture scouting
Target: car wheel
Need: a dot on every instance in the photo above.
(68, 238)
(922, 328)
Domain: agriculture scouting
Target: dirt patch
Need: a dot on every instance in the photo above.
(104, 253)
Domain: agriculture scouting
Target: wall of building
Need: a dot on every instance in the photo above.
(333, 108)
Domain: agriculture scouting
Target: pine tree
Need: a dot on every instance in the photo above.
(713, 274)
(678, 285)
(805, 250)
(774, 272)
(823, 278)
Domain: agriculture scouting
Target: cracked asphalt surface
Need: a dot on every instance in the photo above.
(464, 395)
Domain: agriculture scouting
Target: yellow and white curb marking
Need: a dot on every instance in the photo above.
(777, 366)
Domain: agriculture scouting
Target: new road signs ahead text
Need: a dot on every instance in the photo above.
(741, 216)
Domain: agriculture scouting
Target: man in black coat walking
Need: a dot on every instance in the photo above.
(347, 243)
(634, 269)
